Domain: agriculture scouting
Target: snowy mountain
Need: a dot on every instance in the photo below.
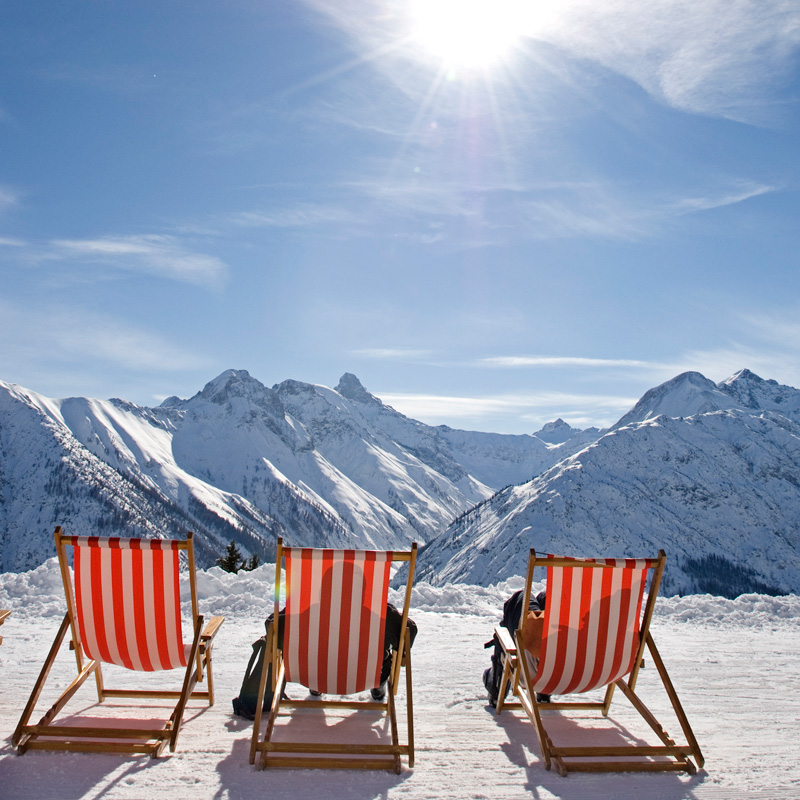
(708, 472)
(245, 462)
(691, 393)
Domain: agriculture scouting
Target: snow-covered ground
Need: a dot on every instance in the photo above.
(733, 662)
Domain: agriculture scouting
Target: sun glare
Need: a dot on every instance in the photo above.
(467, 34)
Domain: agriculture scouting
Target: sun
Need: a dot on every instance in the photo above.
(468, 34)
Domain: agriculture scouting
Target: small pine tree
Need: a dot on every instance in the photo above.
(252, 562)
(232, 561)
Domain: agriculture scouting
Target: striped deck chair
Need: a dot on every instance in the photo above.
(330, 639)
(593, 635)
(123, 609)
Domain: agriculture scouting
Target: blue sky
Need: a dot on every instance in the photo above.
(492, 213)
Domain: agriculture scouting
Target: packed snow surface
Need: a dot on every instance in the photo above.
(733, 663)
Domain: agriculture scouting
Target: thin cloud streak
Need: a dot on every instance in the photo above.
(534, 408)
(393, 354)
(691, 204)
(152, 254)
(303, 215)
(563, 361)
(538, 211)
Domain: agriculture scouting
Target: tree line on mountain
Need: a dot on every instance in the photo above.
(717, 575)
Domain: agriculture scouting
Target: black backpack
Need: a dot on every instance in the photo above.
(245, 704)
(512, 613)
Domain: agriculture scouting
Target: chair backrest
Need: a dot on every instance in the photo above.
(593, 625)
(335, 615)
(126, 603)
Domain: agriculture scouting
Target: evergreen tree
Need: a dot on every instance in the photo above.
(232, 561)
(252, 563)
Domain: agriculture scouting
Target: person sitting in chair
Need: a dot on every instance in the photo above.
(244, 705)
(512, 614)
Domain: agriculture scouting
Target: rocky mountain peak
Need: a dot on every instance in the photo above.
(750, 391)
(350, 386)
(235, 387)
(744, 375)
(555, 432)
(684, 395)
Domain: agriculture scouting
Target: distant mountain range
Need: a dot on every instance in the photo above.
(243, 462)
(709, 472)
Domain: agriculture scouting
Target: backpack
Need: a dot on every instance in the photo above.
(245, 704)
(512, 613)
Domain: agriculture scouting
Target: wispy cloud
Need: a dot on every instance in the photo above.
(560, 361)
(723, 198)
(430, 210)
(536, 409)
(707, 56)
(394, 354)
(302, 215)
(153, 254)
(768, 345)
(585, 216)
(54, 339)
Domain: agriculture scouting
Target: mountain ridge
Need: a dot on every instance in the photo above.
(707, 471)
(718, 477)
(242, 461)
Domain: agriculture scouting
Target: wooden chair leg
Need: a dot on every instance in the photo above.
(39, 685)
(20, 738)
(528, 698)
(409, 702)
(189, 682)
(262, 685)
(676, 703)
(280, 685)
(393, 725)
(508, 675)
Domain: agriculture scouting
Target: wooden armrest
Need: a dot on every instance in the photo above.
(4, 612)
(211, 629)
(506, 642)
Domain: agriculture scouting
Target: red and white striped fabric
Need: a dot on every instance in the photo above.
(335, 617)
(591, 625)
(128, 601)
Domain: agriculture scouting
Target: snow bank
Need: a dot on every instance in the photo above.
(38, 593)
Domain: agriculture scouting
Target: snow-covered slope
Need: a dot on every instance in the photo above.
(733, 664)
(691, 393)
(245, 462)
(102, 467)
(719, 490)
(500, 460)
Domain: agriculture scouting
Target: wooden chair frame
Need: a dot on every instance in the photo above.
(4, 615)
(333, 755)
(668, 756)
(49, 736)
